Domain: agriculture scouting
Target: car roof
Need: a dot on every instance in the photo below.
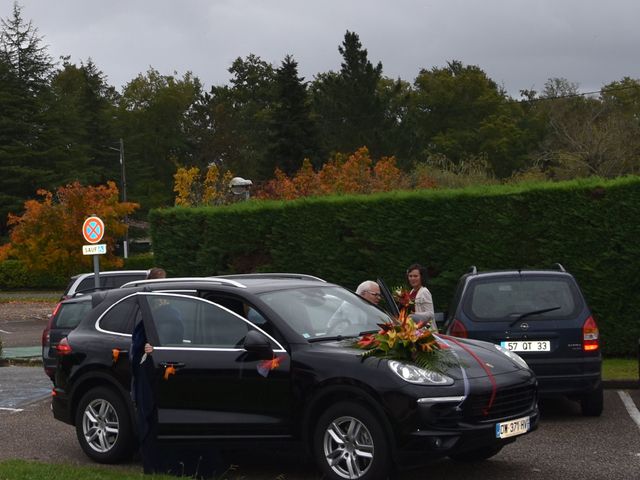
(557, 270)
(254, 282)
(112, 272)
(77, 299)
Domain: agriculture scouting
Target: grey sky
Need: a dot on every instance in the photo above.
(519, 44)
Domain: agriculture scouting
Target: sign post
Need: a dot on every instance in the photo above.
(93, 231)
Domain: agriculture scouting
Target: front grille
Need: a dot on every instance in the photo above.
(508, 402)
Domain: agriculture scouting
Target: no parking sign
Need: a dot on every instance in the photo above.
(93, 229)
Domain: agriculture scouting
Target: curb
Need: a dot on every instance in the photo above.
(621, 384)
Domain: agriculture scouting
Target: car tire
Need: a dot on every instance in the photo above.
(477, 455)
(350, 442)
(103, 426)
(593, 403)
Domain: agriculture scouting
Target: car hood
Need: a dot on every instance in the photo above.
(470, 358)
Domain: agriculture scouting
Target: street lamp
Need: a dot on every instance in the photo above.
(125, 244)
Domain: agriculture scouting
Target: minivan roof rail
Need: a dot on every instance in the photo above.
(473, 270)
(558, 266)
(299, 276)
(216, 280)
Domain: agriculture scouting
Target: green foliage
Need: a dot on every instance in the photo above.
(291, 130)
(24, 69)
(153, 116)
(347, 104)
(589, 226)
(143, 261)
(14, 275)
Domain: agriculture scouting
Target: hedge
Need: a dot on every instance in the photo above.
(590, 226)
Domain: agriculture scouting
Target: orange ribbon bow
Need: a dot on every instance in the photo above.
(169, 370)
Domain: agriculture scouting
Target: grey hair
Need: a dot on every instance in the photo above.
(366, 285)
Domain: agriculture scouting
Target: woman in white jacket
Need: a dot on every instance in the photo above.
(420, 295)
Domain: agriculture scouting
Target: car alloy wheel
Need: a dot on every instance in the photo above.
(100, 425)
(350, 443)
(348, 447)
(103, 426)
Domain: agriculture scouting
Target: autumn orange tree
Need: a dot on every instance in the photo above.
(193, 188)
(48, 236)
(343, 173)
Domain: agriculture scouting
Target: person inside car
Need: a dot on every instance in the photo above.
(369, 290)
(347, 314)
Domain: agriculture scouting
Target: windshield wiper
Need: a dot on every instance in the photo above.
(533, 312)
(332, 338)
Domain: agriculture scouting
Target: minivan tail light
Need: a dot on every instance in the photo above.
(458, 329)
(590, 335)
(47, 329)
(63, 348)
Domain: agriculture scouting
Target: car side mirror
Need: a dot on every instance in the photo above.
(256, 343)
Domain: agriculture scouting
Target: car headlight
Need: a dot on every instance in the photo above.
(419, 376)
(513, 356)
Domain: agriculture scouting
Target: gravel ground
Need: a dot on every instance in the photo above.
(21, 322)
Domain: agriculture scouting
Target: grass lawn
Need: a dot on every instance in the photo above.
(31, 470)
(620, 369)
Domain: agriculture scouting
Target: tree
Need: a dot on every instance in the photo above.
(232, 121)
(589, 135)
(348, 106)
(82, 114)
(459, 112)
(25, 68)
(48, 236)
(291, 132)
(154, 117)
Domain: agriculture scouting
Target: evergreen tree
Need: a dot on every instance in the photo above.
(82, 115)
(348, 105)
(25, 68)
(291, 132)
(232, 121)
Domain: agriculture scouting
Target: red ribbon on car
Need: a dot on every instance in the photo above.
(492, 379)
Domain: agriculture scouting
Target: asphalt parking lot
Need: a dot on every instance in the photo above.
(566, 446)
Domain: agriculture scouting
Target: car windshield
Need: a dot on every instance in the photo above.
(325, 312)
(508, 299)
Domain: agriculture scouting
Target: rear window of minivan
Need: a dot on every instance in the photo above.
(71, 313)
(506, 298)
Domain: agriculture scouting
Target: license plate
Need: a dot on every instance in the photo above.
(513, 427)
(527, 346)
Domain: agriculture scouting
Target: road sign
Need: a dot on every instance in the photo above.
(93, 229)
(100, 249)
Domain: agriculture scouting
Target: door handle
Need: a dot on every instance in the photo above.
(172, 364)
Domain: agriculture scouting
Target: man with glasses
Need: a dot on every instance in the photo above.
(369, 290)
(349, 316)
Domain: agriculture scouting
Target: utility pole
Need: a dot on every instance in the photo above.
(125, 244)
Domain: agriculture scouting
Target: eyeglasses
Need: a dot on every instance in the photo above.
(374, 294)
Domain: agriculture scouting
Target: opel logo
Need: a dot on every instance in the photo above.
(524, 326)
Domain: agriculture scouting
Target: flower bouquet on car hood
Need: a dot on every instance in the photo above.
(406, 340)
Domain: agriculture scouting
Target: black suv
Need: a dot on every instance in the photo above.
(543, 317)
(252, 358)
